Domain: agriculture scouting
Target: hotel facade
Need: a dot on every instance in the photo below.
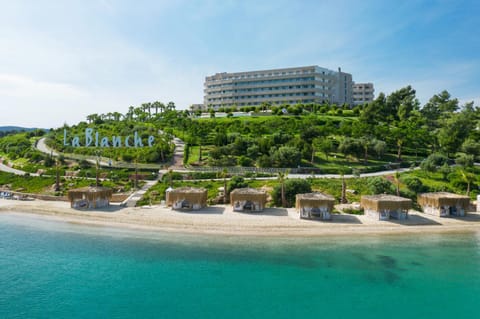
(308, 84)
(363, 93)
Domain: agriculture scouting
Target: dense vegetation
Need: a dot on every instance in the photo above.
(409, 184)
(27, 184)
(392, 131)
(320, 138)
(19, 145)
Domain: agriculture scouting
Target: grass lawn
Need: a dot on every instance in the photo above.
(337, 162)
(435, 182)
(25, 165)
(27, 184)
(194, 155)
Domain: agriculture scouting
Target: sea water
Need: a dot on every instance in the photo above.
(59, 270)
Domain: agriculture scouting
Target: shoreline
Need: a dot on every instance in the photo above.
(222, 221)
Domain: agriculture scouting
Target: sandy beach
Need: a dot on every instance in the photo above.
(221, 220)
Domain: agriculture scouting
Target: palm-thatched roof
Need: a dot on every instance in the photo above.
(443, 199)
(191, 194)
(385, 202)
(316, 199)
(250, 194)
(91, 193)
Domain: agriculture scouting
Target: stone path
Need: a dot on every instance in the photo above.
(178, 153)
(132, 200)
(42, 147)
(9, 169)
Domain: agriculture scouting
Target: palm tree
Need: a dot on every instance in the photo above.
(57, 176)
(468, 178)
(129, 114)
(140, 115)
(282, 176)
(136, 173)
(201, 132)
(397, 182)
(157, 105)
(116, 116)
(343, 198)
(224, 175)
(365, 142)
(147, 107)
(162, 107)
(92, 118)
(171, 106)
(97, 168)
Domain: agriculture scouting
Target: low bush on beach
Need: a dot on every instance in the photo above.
(26, 184)
(292, 188)
(353, 211)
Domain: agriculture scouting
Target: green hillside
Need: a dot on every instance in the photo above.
(391, 132)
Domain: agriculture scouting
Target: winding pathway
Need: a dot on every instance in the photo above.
(42, 147)
(178, 153)
(177, 164)
(8, 169)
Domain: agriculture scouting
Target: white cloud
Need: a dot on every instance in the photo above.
(48, 77)
(25, 101)
(60, 62)
(22, 87)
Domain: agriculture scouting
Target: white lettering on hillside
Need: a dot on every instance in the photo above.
(105, 141)
(88, 136)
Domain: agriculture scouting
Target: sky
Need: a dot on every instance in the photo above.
(63, 60)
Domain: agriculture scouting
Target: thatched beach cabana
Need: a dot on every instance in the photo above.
(384, 207)
(187, 198)
(315, 205)
(90, 197)
(248, 199)
(444, 204)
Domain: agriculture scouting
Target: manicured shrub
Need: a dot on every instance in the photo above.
(292, 188)
(414, 184)
(236, 182)
(380, 185)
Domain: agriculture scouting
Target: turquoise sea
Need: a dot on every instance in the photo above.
(59, 270)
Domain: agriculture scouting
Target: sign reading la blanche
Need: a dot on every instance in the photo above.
(94, 139)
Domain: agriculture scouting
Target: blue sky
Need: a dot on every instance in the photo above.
(62, 60)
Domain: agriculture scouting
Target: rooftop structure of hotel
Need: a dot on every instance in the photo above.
(308, 84)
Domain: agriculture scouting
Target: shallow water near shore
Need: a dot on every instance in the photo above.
(54, 269)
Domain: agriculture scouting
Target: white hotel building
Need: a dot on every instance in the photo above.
(308, 84)
(363, 93)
